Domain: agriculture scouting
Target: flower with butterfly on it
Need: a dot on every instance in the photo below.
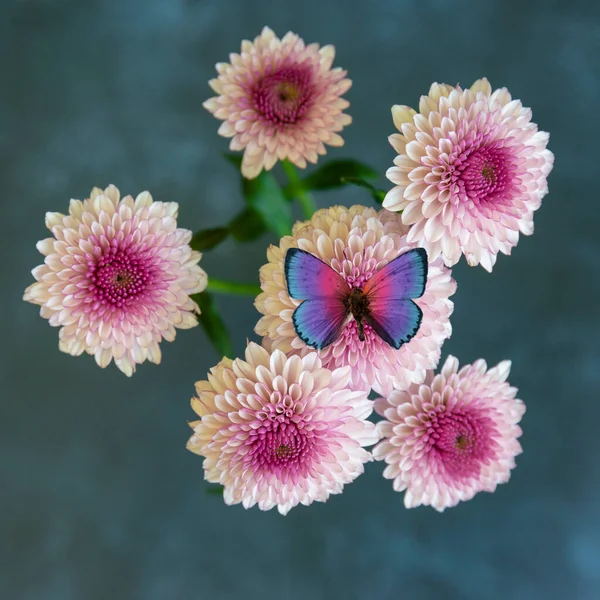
(280, 99)
(279, 430)
(451, 437)
(470, 172)
(355, 244)
(117, 277)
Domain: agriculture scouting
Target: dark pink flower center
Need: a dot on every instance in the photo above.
(279, 447)
(284, 96)
(121, 276)
(488, 175)
(462, 440)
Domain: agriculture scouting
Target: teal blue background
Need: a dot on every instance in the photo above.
(99, 498)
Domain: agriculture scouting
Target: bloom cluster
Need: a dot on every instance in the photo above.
(353, 301)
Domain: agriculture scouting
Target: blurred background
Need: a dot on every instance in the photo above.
(99, 498)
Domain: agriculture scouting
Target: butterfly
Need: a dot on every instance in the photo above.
(385, 302)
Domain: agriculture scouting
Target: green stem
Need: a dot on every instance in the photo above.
(306, 200)
(218, 286)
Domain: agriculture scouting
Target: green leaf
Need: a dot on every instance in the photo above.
(247, 226)
(234, 159)
(208, 238)
(213, 325)
(378, 195)
(265, 196)
(215, 490)
(332, 174)
(219, 286)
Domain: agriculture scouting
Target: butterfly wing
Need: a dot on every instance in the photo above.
(402, 278)
(320, 322)
(395, 323)
(392, 313)
(321, 318)
(309, 277)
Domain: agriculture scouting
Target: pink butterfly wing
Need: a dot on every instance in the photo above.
(321, 318)
(392, 313)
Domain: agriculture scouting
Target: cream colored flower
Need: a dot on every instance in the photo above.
(278, 431)
(470, 172)
(451, 437)
(356, 242)
(280, 99)
(117, 277)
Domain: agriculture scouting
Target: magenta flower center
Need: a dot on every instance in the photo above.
(281, 444)
(487, 175)
(120, 276)
(279, 447)
(462, 440)
(284, 96)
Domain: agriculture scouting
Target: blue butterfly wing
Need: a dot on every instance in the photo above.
(309, 277)
(395, 322)
(402, 278)
(319, 323)
(321, 318)
(392, 313)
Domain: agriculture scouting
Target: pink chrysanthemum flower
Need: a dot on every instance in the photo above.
(451, 437)
(356, 242)
(117, 277)
(280, 99)
(280, 431)
(470, 173)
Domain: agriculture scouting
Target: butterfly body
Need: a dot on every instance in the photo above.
(385, 302)
(358, 307)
